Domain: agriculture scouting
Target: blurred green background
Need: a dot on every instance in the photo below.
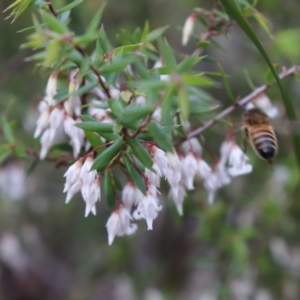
(245, 246)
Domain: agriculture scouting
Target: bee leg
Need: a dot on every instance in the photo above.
(245, 143)
(270, 162)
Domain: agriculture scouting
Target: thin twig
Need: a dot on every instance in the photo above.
(53, 11)
(241, 102)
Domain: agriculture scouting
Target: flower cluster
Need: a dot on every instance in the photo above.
(79, 177)
(179, 170)
(55, 116)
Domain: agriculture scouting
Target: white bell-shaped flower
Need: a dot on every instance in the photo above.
(46, 143)
(72, 190)
(42, 123)
(189, 167)
(154, 178)
(160, 158)
(178, 198)
(91, 195)
(72, 175)
(173, 173)
(119, 224)
(238, 162)
(131, 195)
(86, 175)
(76, 134)
(211, 184)
(191, 145)
(147, 209)
(225, 151)
(203, 169)
(51, 89)
(56, 119)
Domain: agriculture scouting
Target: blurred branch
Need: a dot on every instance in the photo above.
(286, 73)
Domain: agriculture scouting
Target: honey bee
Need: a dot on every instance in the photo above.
(259, 132)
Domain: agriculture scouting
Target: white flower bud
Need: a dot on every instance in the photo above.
(51, 89)
(188, 28)
(42, 123)
(56, 119)
(119, 224)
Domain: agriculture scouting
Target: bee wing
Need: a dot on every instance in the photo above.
(286, 127)
(222, 127)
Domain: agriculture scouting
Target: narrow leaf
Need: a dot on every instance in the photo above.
(160, 137)
(226, 84)
(54, 24)
(109, 189)
(167, 54)
(82, 90)
(187, 64)
(69, 6)
(197, 80)
(183, 102)
(95, 126)
(134, 174)
(8, 133)
(93, 26)
(153, 35)
(140, 152)
(108, 155)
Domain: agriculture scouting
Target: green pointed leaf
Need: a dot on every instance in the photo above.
(270, 77)
(95, 126)
(187, 64)
(145, 31)
(142, 70)
(167, 112)
(86, 118)
(153, 35)
(183, 102)
(52, 53)
(167, 54)
(93, 26)
(30, 168)
(69, 6)
(199, 107)
(109, 189)
(134, 174)
(140, 152)
(82, 90)
(54, 23)
(160, 137)
(127, 48)
(108, 155)
(117, 106)
(7, 131)
(199, 80)
(226, 84)
(132, 115)
(94, 140)
(118, 64)
(110, 136)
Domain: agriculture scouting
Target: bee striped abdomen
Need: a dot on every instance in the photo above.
(264, 142)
